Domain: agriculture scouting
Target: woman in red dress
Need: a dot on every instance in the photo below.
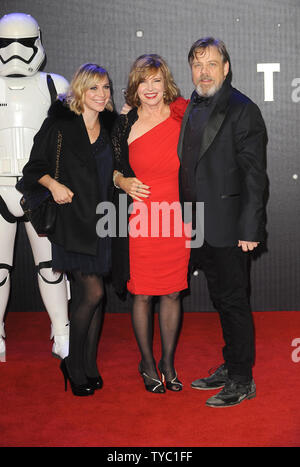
(156, 264)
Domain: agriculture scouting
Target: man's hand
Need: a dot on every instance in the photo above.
(247, 246)
(125, 109)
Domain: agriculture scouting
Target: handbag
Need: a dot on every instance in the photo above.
(38, 204)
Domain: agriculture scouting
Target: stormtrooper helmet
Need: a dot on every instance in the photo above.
(21, 50)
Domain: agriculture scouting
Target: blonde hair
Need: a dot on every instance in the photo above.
(84, 78)
(143, 67)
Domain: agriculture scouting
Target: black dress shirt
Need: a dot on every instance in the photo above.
(199, 115)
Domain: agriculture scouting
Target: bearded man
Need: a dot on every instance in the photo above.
(222, 148)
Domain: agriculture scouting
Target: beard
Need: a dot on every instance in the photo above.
(208, 92)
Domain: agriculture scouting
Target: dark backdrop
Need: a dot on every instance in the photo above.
(115, 32)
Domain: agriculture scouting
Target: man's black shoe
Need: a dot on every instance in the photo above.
(216, 380)
(232, 394)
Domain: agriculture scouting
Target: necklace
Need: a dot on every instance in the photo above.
(92, 129)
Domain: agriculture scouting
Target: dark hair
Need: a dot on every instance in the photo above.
(203, 43)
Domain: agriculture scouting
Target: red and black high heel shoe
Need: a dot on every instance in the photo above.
(173, 384)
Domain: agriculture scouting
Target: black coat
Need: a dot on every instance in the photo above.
(76, 221)
(230, 174)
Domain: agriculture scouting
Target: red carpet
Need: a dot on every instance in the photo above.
(35, 410)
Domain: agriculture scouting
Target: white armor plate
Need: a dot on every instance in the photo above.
(24, 103)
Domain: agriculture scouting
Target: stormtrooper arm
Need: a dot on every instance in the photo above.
(41, 161)
(60, 82)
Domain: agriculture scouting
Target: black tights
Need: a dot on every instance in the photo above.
(85, 324)
(169, 323)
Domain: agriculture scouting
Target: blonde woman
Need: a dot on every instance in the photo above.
(83, 118)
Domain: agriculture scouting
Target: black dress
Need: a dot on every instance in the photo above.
(100, 264)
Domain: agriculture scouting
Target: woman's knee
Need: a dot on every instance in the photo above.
(94, 295)
(173, 296)
(143, 298)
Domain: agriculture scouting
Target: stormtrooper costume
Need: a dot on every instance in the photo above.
(25, 97)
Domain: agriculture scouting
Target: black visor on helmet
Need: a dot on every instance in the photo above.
(28, 42)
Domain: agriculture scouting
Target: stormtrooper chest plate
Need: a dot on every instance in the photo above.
(24, 103)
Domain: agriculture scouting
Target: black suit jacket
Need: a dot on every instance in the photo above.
(76, 222)
(230, 169)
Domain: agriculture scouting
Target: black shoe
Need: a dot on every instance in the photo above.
(77, 389)
(173, 384)
(216, 380)
(95, 383)
(152, 384)
(232, 394)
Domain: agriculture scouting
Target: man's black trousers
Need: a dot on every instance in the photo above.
(227, 272)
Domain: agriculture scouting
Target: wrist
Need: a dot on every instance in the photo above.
(116, 178)
(52, 183)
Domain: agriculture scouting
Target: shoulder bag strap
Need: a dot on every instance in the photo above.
(58, 151)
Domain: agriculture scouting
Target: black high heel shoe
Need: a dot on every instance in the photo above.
(95, 383)
(77, 389)
(172, 384)
(151, 384)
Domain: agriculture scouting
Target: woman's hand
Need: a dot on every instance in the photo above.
(61, 193)
(133, 187)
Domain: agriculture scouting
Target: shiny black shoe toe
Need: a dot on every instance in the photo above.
(232, 394)
(77, 389)
(95, 383)
(216, 380)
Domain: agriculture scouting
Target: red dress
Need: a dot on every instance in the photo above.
(158, 245)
